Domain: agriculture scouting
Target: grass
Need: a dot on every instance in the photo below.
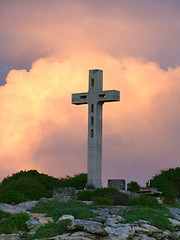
(156, 217)
(102, 201)
(51, 229)
(55, 209)
(13, 223)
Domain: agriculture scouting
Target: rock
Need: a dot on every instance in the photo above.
(119, 210)
(17, 208)
(77, 236)
(32, 223)
(137, 229)
(143, 237)
(66, 216)
(114, 219)
(175, 223)
(88, 226)
(151, 229)
(100, 219)
(175, 212)
(122, 232)
(41, 218)
(13, 236)
(139, 222)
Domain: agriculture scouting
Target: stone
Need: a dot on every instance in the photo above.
(66, 216)
(119, 210)
(88, 226)
(175, 212)
(175, 223)
(100, 219)
(143, 237)
(13, 236)
(114, 219)
(21, 207)
(41, 218)
(151, 228)
(140, 230)
(122, 232)
(32, 223)
(119, 184)
(95, 98)
(65, 194)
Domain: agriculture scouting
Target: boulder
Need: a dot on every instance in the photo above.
(88, 226)
(175, 223)
(123, 231)
(66, 216)
(32, 223)
(114, 219)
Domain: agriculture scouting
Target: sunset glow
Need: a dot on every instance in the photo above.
(54, 44)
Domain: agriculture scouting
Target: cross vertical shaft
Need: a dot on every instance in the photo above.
(95, 98)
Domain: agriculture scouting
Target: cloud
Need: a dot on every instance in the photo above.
(41, 129)
(34, 29)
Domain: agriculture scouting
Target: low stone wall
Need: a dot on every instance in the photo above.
(65, 194)
(119, 184)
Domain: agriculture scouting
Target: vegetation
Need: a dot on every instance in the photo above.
(146, 201)
(112, 196)
(55, 209)
(32, 185)
(168, 181)
(155, 217)
(13, 223)
(102, 201)
(133, 186)
(120, 198)
(51, 229)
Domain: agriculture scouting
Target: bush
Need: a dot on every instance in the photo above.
(13, 196)
(146, 201)
(54, 208)
(120, 198)
(168, 181)
(133, 186)
(32, 185)
(103, 201)
(51, 229)
(78, 181)
(155, 217)
(104, 192)
(15, 222)
(86, 195)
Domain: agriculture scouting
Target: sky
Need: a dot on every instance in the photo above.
(47, 49)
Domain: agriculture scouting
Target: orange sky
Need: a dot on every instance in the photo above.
(54, 44)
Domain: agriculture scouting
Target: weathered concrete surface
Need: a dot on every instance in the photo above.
(95, 98)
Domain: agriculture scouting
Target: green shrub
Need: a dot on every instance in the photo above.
(32, 185)
(54, 208)
(168, 181)
(104, 192)
(120, 198)
(51, 229)
(102, 201)
(78, 181)
(133, 186)
(155, 217)
(146, 201)
(16, 222)
(86, 195)
(13, 196)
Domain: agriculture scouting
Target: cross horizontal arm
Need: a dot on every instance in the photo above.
(80, 98)
(109, 96)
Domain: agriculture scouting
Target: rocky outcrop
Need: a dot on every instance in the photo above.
(108, 224)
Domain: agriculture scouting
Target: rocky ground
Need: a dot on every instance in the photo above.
(108, 225)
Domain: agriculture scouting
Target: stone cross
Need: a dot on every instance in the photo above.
(95, 98)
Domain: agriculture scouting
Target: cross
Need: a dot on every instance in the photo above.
(95, 98)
